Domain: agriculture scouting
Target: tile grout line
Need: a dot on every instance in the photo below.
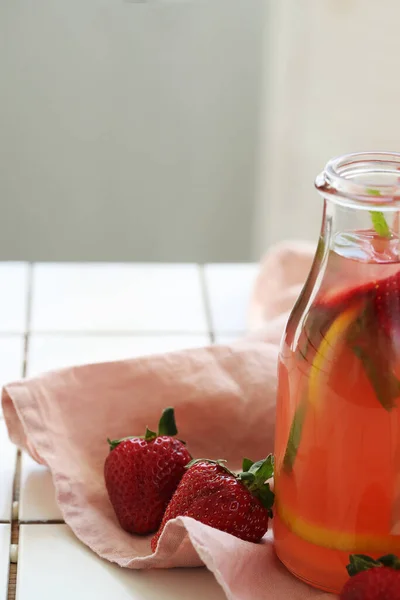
(28, 319)
(46, 522)
(12, 574)
(13, 568)
(112, 332)
(206, 302)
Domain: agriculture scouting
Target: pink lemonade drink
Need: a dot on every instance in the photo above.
(337, 448)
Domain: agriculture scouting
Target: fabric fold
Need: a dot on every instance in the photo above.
(224, 400)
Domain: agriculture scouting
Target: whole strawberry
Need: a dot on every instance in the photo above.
(142, 473)
(372, 579)
(210, 493)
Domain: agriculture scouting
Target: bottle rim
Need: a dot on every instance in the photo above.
(365, 180)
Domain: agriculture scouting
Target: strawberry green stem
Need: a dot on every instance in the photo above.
(166, 426)
(221, 462)
(361, 562)
(149, 435)
(114, 443)
(255, 475)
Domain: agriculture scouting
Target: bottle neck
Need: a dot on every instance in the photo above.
(366, 235)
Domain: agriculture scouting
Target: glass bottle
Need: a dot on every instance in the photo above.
(337, 447)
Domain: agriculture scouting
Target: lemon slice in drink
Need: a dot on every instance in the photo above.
(332, 342)
(327, 350)
(333, 339)
(336, 539)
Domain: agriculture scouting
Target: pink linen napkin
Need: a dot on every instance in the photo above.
(224, 398)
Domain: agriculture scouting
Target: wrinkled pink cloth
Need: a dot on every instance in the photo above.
(224, 398)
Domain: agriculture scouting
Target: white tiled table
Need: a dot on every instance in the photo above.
(56, 315)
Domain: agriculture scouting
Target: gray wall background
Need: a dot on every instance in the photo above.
(129, 131)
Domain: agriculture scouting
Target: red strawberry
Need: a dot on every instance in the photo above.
(142, 473)
(372, 579)
(210, 493)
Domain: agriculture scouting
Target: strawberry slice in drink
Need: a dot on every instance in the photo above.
(375, 339)
(375, 336)
(387, 304)
(337, 297)
(365, 319)
(382, 292)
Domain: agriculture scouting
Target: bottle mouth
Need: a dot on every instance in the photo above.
(368, 180)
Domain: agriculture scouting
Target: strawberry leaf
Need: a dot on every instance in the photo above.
(114, 443)
(267, 498)
(149, 435)
(263, 469)
(255, 481)
(361, 562)
(390, 560)
(220, 462)
(167, 425)
(249, 477)
(247, 463)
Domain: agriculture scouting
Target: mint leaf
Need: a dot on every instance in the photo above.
(295, 435)
(373, 192)
(315, 326)
(375, 350)
(378, 218)
(380, 224)
(385, 383)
